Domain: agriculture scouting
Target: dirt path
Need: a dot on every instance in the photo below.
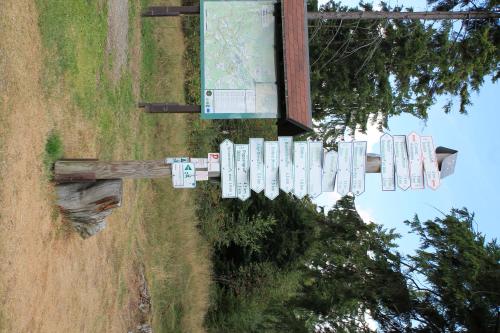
(50, 279)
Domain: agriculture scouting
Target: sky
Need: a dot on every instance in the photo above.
(475, 183)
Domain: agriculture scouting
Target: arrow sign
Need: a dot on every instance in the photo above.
(344, 171)
(228, 172)
(315, 167)
(257, 180)
(242, 172)
(330, 163)
(387, 162)
(300, 168)
(286, 163)
(271, 162)
(401, 162)
(358, 167)
(415, 158)
(430, 162)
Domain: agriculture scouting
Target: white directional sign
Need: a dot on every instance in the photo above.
(300, 168)
(387, 162)
(286, 163)
(242, 171)
(271, 162)
(228, 172)
(344, 171)
(358, 167)
(257, 180)
(402, 163)
(330, 163)
(315, 167)
(183, 175)
(415, 158)
(432, 175)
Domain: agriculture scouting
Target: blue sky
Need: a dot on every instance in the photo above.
(475, 183)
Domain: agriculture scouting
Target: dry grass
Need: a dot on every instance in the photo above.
(50, 279)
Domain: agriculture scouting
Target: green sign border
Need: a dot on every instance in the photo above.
(202, 67)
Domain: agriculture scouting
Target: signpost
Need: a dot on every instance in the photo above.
(402, 162)
(315, 168)
(242, 172)
(358, 167)
(330, 164)
(432, 175)
(183, 175)
(257, 173)
(286, 163)
(228, 172)
(271, 162)
(387, 162)
(415, 158)
(300, 168)
(344, 171)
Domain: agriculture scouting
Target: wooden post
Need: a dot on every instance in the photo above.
(378, 15)
(158, 11)
(169, 108)
(373, 162)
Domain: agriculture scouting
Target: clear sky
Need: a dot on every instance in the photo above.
(475, 183)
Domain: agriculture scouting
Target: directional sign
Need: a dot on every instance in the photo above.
(330, 163)
(415, 158)
(387, 162)
(286, 163)
(401, 162)
(214, 164)
(271, 162)
(358, 167)
(300, 168)
(430, 162)
(172, 160)
(228, 172)
(200, 163)
(242, 172)
(257, 180)
(344, 171)
(315, 167)
(183, 175)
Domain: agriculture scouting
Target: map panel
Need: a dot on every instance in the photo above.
(238, 60)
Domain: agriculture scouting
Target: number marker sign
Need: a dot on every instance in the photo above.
(415, 158)
(430, 162)
(300, 168)
(183, 175)
(344, 171)
(257, 164)
(358, 167)
(387, 162)
(402, 163)
(286, 163)
(315, 167)
(228, 173)
(242, 172)
(330, 163)
(271, 162)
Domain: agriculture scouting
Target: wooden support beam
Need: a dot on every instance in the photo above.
(378, 15)
(169, 108)
(159, 11)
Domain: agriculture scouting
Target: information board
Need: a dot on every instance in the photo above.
(300, 169)
(387, 162)
(286, 163)
(257, 181)
(183, 175)
(228, 172)
(401, 162)
(358, 167)
(415, 159)
(242, 171)
(271, 162)
(238, 69)
(315, 168)
(344, 171)
(432, 175)
(330, 164)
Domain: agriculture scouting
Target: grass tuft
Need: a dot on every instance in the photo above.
(53, 151)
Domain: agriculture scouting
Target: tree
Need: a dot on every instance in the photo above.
(372, 70)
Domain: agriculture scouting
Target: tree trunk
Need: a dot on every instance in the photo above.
(86, 205)
(434, 15)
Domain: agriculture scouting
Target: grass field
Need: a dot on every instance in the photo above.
(71, 73)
